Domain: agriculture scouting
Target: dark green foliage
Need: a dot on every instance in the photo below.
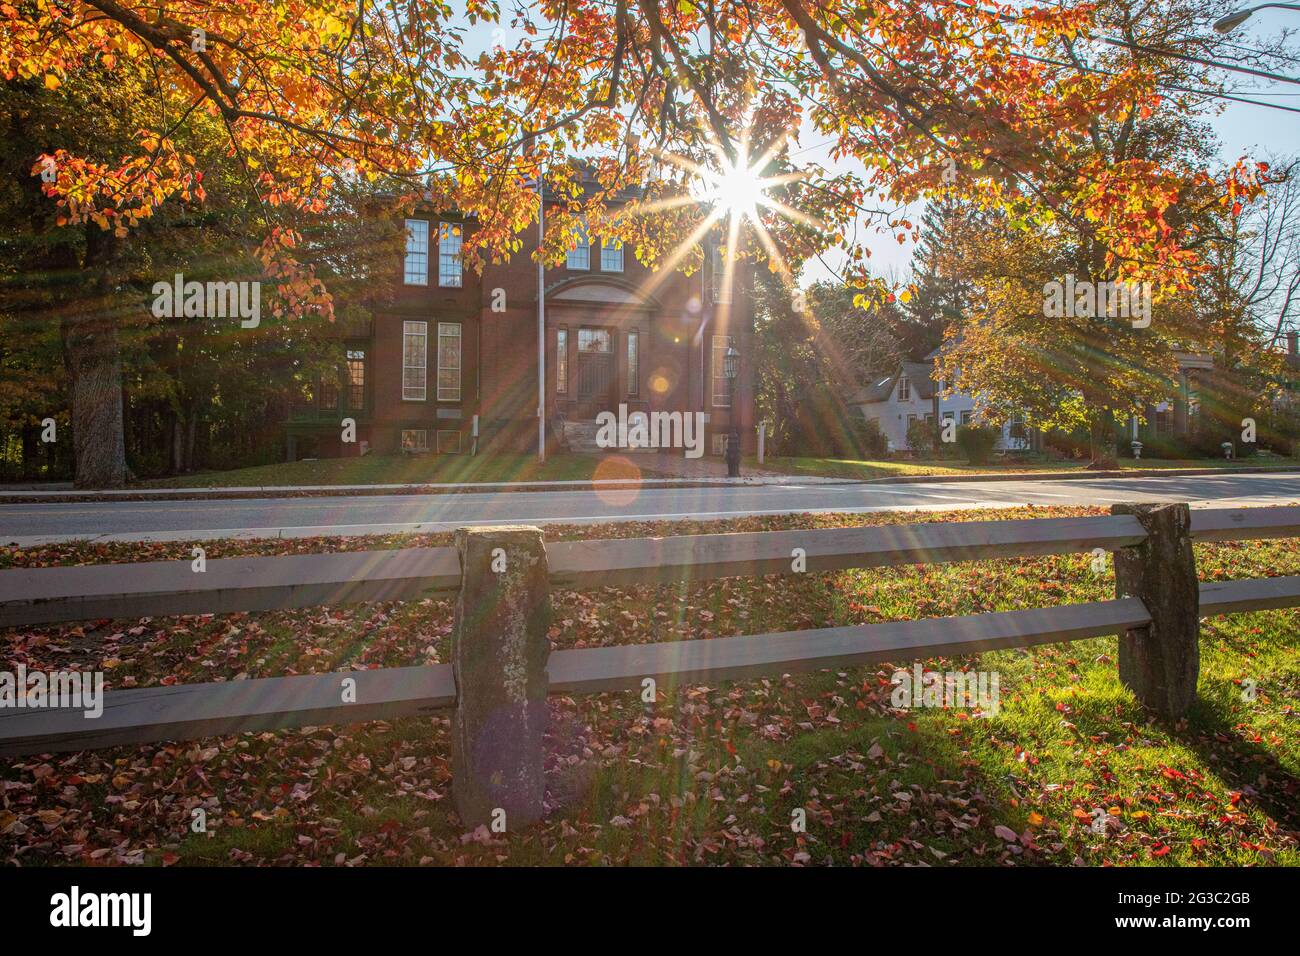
(977, 442)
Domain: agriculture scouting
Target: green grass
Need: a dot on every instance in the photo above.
(847, 468)
(392, 470)
(705, 774)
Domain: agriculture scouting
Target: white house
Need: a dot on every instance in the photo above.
(912, 393)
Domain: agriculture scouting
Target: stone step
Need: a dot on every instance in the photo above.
(580, 436)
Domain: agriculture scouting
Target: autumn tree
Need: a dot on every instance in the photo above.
(1093, 367)
(816, 349)
(314, 93)
(136, 374)
(940, 291)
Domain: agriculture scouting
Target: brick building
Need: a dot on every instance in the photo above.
(454, 347)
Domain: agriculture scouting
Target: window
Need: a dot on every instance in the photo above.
(718, 366)
(966, 417)
(356, 378)
(329, 393)
(1164, 419)
(580, 256)
(611, 255)
(561, 359)
(415, 361)
(417, 252)
(449, 242)
(721, 288)
(415, 440)
(593, 340)
(449, 361)
(633, 363)
(904, 389)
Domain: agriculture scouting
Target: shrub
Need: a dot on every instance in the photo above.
(977, 442)
(869, 441)
(922, 438)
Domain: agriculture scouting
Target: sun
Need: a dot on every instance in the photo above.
(737, 187)
(731, 187)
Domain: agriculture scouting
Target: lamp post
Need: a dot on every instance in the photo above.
(1233, 20)
(731, 368)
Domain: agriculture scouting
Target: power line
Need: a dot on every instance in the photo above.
(1217, 64)
(1158, 51)
(1265, 53)
(1168, 86)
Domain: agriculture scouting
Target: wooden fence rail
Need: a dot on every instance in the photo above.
(497, 650)
(161, 588)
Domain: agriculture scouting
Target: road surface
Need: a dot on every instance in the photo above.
(35, 524)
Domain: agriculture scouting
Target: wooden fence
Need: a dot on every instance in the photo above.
(502, 669)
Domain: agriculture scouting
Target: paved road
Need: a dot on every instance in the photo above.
(33, 524)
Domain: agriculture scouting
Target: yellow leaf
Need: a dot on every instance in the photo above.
(52, 82)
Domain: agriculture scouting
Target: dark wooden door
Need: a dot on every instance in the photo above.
(596, 378)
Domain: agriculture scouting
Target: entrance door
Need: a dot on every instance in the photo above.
(596, 379)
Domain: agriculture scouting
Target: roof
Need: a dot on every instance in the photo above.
(918, 373)
(875, 392)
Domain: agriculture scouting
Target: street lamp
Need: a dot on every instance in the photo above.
(1233, 20)
(731, 368)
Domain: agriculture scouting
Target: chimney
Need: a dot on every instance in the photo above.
(1293, 343)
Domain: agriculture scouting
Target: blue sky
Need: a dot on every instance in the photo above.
(1242, 129)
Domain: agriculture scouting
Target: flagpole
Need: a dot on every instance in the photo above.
(541, 319)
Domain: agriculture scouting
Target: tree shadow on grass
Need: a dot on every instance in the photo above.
(1251, 768)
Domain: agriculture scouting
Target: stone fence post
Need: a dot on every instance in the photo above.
(499, 653)
(1160, 663)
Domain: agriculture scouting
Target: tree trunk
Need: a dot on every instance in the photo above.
(95, 365)
(178, 444)
(191, 431)
(1105, 454)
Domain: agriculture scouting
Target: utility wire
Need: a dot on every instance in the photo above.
(1158, 51)
(1168, 86)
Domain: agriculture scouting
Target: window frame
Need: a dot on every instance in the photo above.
(413, 238)
(904, 388)
(606, 247)
(408, 331)
(596, 333)
(584, 247)
(721, 294)
(633, 363)
(355, 359)
(458, 368)
(417, 448)
(562, 360)
(718, 370)
(448, 232)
